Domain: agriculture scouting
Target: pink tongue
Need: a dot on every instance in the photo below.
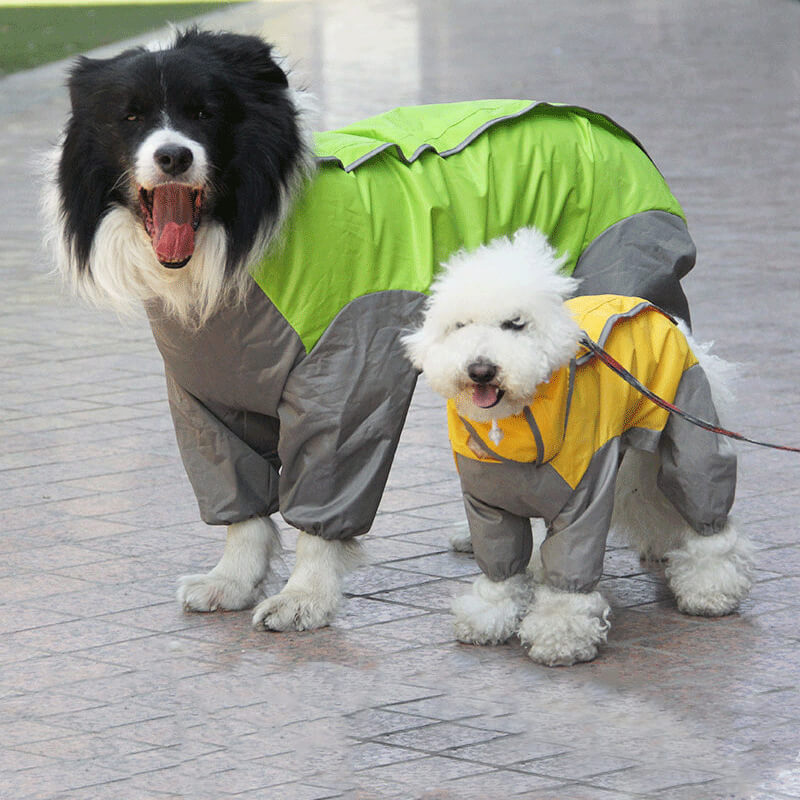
(173, 234)
(484, 396)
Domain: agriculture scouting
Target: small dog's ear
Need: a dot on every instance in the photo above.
(414, 344)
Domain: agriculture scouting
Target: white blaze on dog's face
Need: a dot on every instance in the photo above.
(171, 171)
(496, 326)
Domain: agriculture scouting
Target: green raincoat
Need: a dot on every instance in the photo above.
(295, 401)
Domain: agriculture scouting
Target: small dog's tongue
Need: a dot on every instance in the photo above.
(484, 395)
(173, 234)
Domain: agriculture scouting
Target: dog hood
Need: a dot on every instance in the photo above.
(584, 405)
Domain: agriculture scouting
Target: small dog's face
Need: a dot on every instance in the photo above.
(492, 365)
(496, 327)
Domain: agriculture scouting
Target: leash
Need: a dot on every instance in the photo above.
(616, 367)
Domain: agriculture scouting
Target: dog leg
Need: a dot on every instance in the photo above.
(314, 590)
(561, 628)
(491, 613)
(235, 582)
(711, 575)
(461, 540)
(642, 515)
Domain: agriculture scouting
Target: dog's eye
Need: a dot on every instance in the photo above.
(459, 325)
(201, 114)
(515, 324)
(134, 116)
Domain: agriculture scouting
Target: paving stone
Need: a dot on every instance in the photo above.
(109, 690)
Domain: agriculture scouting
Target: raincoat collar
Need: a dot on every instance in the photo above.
(535, 434)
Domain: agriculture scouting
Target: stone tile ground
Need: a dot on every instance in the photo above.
(107, 690)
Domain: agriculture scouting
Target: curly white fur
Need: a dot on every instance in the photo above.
(467, 308)
(492, 611)
(562, 628)
(711, 575)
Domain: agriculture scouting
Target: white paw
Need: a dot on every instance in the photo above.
(210, 592)
(711, 575)
(314, 589)
(294, 610)
(491, 613)
(461, 541)
(563, 628)
(235, 582)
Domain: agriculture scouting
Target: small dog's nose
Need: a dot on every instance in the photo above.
(173, 159)
(481, 372)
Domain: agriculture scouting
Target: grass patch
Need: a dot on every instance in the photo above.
(31, 35)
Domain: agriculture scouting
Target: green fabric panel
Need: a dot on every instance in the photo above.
(388, 224)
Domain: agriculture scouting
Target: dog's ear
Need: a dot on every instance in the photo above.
(82, 78)
(249, 55)
(415, 346)
(88, 76)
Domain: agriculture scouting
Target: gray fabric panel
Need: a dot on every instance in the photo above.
(239, 359)
(645, 256)
(698, 468)
(341, 414)
(232, 480)
(501, 541)
(572, 554)
(527, 490)
(641, 439)
(537, 434)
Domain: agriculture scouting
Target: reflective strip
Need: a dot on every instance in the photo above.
(612, 321)
(423, 148)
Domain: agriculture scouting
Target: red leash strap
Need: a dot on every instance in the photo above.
(616, 367)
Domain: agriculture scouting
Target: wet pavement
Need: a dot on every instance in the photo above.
(108, 690)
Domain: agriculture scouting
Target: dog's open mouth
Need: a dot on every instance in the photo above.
(172, 213)
(486, 395)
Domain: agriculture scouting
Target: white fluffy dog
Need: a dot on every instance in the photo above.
(539, 429)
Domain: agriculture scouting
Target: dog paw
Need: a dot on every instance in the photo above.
(292, 610)
(563, 628)
(707, 604)
(491, 613)
(209, 592)
(461, 540)
(711, 575)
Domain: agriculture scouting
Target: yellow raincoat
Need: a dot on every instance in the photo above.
(558, 459)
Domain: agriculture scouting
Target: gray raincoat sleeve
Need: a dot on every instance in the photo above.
(230, 457)
(572, 554)
(342, 411)
(578, 520)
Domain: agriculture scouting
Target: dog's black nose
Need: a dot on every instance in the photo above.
(173, 159)
(481, 372)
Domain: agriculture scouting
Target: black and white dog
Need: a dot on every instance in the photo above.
(186, 154)
(178, 168)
